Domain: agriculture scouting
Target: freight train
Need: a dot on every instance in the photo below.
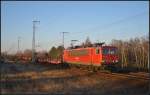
(96, 56)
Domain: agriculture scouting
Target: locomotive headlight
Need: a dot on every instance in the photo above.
(116, 61)
(103, 60)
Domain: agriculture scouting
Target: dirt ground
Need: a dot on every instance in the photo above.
(19, 78)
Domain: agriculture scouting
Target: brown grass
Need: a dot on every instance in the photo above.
(29, 78)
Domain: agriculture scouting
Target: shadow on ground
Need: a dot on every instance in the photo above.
(14, 68)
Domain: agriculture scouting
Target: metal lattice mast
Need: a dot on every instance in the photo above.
(19, 44)
(63, 38)
(33, 41)
(63, 44)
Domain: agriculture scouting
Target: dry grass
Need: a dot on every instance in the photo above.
(29, 78)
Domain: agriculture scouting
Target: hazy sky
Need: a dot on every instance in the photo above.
(101, 21)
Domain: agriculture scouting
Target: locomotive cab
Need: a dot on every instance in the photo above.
(109, 55)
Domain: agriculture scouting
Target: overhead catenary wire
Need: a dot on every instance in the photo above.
(97, 29)
(107, 26)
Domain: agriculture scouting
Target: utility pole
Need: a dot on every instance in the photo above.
(63, 46)
(148, 60)
(19, 44)
(33, 41)
(148, 67)
(18, 51)
(63, 38)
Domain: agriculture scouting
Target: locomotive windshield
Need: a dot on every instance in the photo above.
(109, 51)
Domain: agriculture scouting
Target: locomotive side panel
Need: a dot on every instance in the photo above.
(84, 56)
(78, 56)
(96, 56)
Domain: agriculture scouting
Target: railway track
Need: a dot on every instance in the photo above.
(128, 75)
(131, 76)
(125, 75)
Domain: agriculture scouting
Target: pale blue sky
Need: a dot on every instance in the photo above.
(101, 21)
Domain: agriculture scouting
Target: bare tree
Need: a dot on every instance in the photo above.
(133, 52)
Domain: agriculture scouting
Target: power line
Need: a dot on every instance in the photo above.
(107, 26)
(122, 20)
(115, 22)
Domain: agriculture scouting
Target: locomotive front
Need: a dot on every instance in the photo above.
(109, 55)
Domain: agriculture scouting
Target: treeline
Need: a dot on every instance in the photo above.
(53, 53)
(134, 52)
(56, 52)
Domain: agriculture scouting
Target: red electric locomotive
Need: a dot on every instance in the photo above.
(95, 55)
